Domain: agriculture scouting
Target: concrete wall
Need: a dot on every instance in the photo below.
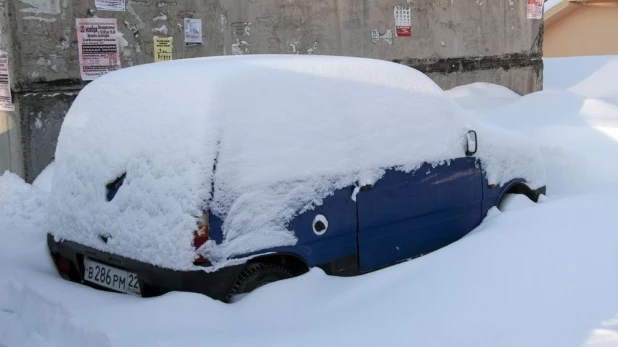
(582, 30)
(454, 42)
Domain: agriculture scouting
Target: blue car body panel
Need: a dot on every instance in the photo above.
(406, 215)
(339, 241)
(402, 216)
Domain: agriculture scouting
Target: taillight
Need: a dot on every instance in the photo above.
(63, 265)
(200, 236)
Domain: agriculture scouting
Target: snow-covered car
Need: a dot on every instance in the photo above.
(220, 175)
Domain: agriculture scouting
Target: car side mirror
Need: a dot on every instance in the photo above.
(471, 143)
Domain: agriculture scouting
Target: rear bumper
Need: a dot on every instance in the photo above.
(153, 280)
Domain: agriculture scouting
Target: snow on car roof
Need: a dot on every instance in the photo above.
(282, 131)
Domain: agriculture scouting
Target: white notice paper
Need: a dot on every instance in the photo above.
(6, 103)
(109, 5)
(193, 31)
(98, 47)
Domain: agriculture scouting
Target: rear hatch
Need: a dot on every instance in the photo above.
(134, 168)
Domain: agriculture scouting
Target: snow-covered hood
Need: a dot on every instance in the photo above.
(282, 131)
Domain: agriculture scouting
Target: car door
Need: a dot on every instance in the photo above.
(405, 215)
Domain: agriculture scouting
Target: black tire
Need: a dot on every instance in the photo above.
(501, 206)
(256, 275)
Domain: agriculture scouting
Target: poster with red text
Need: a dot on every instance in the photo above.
(535, 9)
(403, 21)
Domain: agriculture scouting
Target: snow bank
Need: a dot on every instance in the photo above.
(44, 180)
(498, 287)
(477, 96)
(29, 320)
(21, 205)
(591, 77)
(284, 131)
(574, 121)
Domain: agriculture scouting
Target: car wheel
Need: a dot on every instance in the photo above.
(254, 276)
(514, 201)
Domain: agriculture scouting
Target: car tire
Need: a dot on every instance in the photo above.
(254, 276)
(501, 204)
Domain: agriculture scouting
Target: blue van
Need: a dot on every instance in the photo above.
(107, 210)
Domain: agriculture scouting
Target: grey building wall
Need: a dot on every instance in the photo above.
(454, 42)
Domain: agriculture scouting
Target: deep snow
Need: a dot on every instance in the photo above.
(44, 180)
(574, 120)
(532, 275)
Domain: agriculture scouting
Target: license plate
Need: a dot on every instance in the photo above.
(111, 277)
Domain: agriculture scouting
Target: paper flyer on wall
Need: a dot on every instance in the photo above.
(403, 21)
(535, 9)
(162, 48)
(98, 47)
(6, 103)
(193, 31)
(109, 5)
